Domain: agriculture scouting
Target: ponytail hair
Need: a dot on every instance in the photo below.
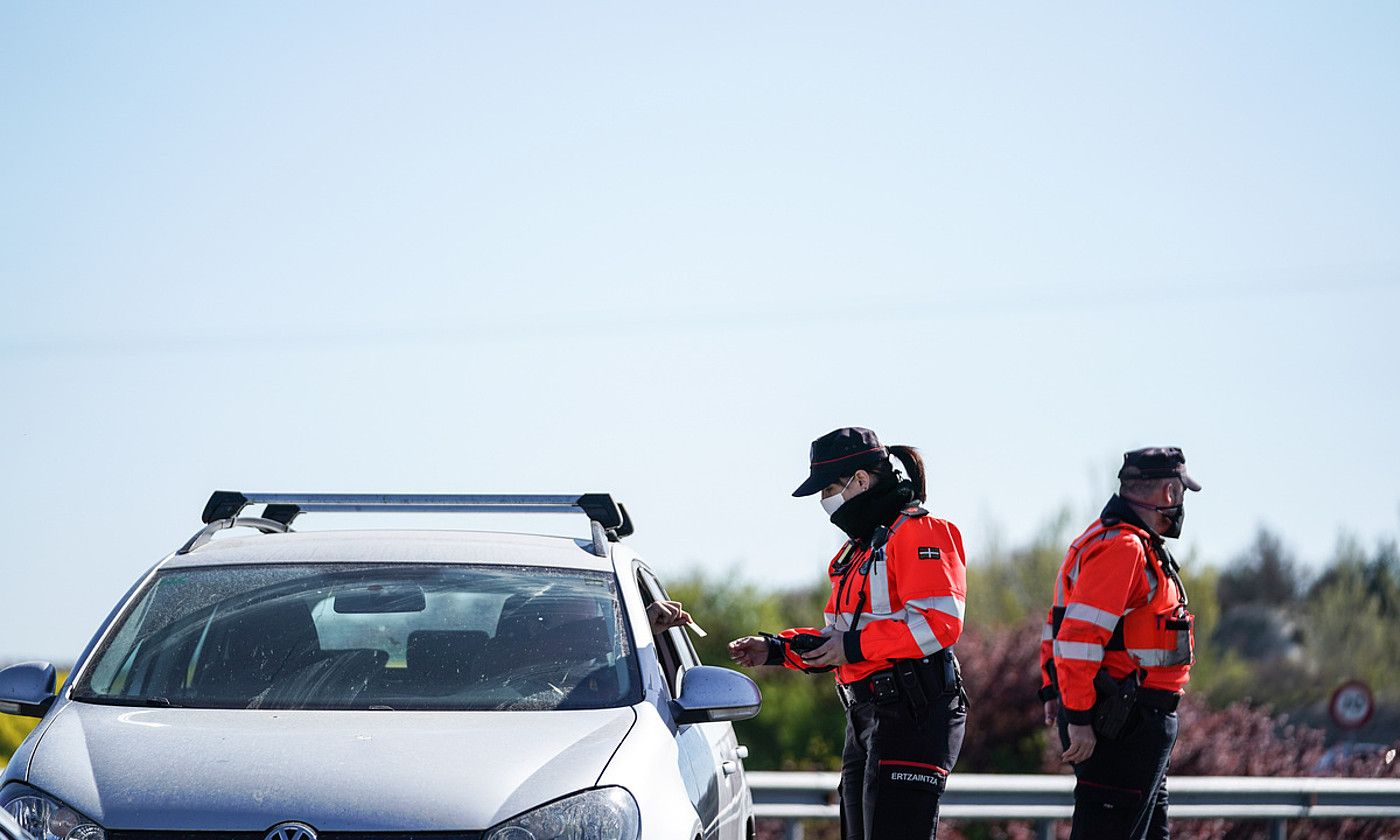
(913, 466)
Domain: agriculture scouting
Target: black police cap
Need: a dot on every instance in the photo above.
(1156, 462)
(840, 453)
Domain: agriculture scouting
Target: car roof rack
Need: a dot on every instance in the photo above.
(609, 520)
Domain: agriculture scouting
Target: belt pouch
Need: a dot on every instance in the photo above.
(952, 675)
(908, 673)
(883, 688)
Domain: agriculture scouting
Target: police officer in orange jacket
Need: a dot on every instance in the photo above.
(1117, 651)
(898, 590)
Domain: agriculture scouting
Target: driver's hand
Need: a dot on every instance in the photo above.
(663, 615)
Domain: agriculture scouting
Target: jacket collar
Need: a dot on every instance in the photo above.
(1119, 510)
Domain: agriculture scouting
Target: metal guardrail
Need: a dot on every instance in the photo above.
(1046, 800)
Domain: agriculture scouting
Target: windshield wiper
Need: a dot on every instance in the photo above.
(158, 702)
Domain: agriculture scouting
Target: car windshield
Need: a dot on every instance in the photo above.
(460, 637)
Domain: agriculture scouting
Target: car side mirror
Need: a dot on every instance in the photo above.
(27, 688)
(710, 693)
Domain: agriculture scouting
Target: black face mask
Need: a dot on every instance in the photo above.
(1174, 514)
(880, 505)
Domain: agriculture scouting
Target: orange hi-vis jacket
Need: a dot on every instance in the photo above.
(1119, 606)
(903, 596)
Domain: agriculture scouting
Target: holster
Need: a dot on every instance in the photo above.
(925, 680)
(1114, 704)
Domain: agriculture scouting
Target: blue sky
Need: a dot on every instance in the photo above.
(656, 251)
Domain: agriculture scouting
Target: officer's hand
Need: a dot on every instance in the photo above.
(1081, 744)
(832, 653)
(750, 651)
(664, 615)
(1052, 711)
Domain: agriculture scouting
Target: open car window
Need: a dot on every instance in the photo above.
(429, 637)
(673, 647)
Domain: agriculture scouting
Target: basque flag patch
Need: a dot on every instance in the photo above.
(929, 553)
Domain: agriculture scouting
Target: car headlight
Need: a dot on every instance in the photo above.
(603, 814)
(46, 818)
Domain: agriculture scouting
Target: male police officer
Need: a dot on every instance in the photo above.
(1117, 651)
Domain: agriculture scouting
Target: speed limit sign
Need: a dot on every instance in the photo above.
(1352, 705)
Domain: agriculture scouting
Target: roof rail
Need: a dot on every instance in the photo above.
(609, 519)
(266, 525)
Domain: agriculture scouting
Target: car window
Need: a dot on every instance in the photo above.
(685, 647)
(458, 637)
(673, 648)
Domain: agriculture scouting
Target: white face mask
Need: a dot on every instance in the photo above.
(833, 503)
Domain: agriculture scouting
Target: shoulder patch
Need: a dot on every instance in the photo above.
(930, 553)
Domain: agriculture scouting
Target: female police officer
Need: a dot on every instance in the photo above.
(896, 608)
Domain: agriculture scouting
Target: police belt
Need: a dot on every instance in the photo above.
(915, 681)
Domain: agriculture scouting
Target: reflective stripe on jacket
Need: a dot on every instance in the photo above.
(1117, 609)
(910, 594)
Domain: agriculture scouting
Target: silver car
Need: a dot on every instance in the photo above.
(385, 684)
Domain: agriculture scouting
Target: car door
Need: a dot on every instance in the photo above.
(727, 765)
(714, 766)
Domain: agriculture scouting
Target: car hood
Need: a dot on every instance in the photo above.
(243, 770)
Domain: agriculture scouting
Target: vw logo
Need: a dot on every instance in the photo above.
(291, 831)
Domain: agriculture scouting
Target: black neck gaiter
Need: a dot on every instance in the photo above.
(880, 505)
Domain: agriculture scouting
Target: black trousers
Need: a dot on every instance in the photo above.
(1121, 792)
(895, 765)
